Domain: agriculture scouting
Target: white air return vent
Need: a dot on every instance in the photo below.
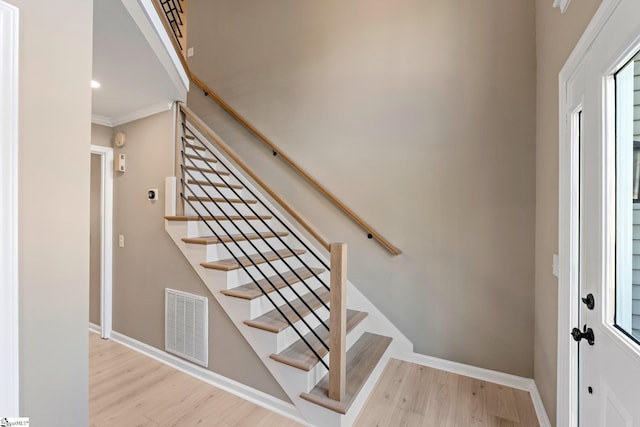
(186, 326)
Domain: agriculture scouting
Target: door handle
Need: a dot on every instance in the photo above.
(589, 301)
(586, 333)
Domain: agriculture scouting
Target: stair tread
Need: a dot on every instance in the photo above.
(220, 200)
(300, 356)
(207, 170)
(212, 218)
(212, 240)
(362, 358)
(252, 291)
(232, 264)
(273, 320)
(204, 159)
(195, 146)
(214, 184)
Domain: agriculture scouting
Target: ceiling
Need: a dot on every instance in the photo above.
(134, 82)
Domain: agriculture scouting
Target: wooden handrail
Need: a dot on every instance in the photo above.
(304, 222)
(371, 232)
(321, 188)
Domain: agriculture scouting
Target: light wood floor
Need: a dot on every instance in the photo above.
(412, 395)
(129, 389)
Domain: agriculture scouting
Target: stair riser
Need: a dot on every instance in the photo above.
(261, 305)
(288, 336)
(240, 276)
(319, 416)
(199, 163)
(225, 180)
(237, 307)
(213, 192)
(199, 228)
(196, 152)
(319, 371)
(219, 251)
(211, 209)
(211, 176)
(299, 379)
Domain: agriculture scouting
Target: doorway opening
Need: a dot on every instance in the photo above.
(101, 270)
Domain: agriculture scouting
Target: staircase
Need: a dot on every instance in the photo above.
(321, 339)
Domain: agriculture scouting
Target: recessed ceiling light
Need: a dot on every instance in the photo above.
(95, 84)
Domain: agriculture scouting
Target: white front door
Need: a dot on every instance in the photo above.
(605, 121)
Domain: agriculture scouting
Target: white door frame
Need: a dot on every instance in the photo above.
(9, 283)
(106, 237)
(568, 233)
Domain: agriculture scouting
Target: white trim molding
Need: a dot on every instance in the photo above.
(106, 237)
(9, 280)
(227, 384)
(562, 4)
(567, 380)
(141, 113)
(513, 381)
(101, 120)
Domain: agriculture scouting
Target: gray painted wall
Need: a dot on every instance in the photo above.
(556, 36)
(420, 116)
(54, 138)
(151, 262)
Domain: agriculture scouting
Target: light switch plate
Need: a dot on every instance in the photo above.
(190, 52)
(121, 240)
(556, 265)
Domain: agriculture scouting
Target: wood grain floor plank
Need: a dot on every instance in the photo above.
(388, 387)
(472, 410)
(127, 388)
(408, 394)
(526, 411)
(501, 402)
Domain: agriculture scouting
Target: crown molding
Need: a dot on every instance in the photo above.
(101, 120)
(147, 111)
(142, 113)
(562, 4)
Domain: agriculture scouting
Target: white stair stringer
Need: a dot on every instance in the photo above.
(293, 381)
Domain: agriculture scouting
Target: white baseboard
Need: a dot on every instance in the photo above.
(513, 381)
(543, 418)
(258, 397)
